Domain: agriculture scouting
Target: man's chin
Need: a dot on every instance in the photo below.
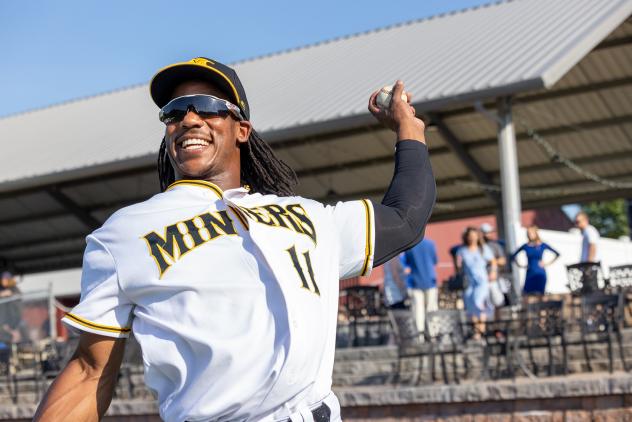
(195, 172)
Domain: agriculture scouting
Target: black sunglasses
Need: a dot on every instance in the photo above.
(203, 105)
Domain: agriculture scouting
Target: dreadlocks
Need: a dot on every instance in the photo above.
(261, 169)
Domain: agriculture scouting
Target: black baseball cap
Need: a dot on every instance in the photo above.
(166, 79)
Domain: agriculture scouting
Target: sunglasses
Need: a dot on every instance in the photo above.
(203, 105)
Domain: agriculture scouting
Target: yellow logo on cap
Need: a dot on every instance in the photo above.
(202, 61)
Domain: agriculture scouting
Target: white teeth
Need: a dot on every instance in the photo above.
(194, 143)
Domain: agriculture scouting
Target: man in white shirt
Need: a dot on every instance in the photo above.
(590, 237)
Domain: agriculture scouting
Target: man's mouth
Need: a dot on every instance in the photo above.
(193, 144)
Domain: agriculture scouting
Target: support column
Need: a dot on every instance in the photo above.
(509, 182)
(500, 221)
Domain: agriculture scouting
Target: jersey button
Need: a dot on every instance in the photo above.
(294, 323)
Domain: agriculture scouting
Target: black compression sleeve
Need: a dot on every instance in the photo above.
(400, 220)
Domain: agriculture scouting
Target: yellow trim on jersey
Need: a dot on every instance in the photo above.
(369, 247)
(240, 217)
(96, 326)
(202, 183)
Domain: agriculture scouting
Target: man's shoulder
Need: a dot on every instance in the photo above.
(496, 246)
(132, 219)
(271, 202)
(150, 205)
(257, 199)
(591, 231)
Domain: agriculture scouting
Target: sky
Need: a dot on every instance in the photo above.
(55, 51)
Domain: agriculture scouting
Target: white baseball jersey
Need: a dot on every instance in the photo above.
(232, 296)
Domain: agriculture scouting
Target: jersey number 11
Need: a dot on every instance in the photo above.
(311, 284)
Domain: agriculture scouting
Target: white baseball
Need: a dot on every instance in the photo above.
(383, 99)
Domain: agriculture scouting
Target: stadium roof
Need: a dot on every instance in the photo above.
(567, 64)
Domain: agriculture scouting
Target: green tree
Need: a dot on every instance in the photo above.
(609, 217)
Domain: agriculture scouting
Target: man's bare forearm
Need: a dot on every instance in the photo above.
(79, 393)
(83, 390)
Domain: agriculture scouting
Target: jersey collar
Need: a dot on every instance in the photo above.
(198, 183)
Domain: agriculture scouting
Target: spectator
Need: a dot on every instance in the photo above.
(501, 287)
(395, 283)
(495, 245)
(455, 282)
(422, 280)
(590, 237)
(473, 259)
(10, 310)
(535, 282)
(453, 250)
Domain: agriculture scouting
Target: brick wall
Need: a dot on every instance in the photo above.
(605, 409)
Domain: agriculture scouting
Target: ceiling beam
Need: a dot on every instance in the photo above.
(350, 165)
(531, 204)
(555, 93)
(83, 181)
(446, 201)
(6, 264)
(627, 177)
(25, 218)
(63, 263)
(572, 91)
(552, 131)
(472, 166)
(583, 161)
(25, 256)
(44, 241)
(617, 42)
(548, 166)
(346, 166)
(381, 190)
(388, 159)
(76, 210)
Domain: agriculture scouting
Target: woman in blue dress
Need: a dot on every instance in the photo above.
(473, 260)
(535, 283)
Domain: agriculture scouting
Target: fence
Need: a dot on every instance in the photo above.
(27, 317)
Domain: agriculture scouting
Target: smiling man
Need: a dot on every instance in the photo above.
(228, 280)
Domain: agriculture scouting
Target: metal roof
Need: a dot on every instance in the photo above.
(501, 48)
(566, 63)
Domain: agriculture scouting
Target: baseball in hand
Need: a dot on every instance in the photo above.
(383, 99)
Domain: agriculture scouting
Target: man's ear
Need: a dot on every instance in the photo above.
(243, 132)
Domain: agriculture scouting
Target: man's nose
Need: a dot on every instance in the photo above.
(192, 119)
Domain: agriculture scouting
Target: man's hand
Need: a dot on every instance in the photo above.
(400, 116)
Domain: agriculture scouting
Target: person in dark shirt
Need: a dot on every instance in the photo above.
(10, 310)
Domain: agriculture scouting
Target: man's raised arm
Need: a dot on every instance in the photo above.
(401, 218)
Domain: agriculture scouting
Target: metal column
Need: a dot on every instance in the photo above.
(509, 182)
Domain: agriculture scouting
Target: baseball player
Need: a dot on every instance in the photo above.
(228, 280)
